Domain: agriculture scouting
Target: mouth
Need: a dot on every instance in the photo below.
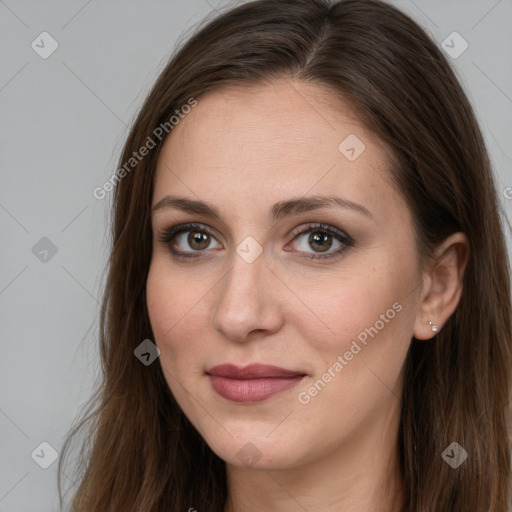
(253, 383)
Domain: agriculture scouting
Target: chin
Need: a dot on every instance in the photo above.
(257, 454)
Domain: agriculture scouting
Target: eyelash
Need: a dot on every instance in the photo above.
(167, 236)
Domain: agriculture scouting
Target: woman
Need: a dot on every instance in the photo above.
(308, 301)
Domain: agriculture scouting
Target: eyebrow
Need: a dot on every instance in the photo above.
(279, 210)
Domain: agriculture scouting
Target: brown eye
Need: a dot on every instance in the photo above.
(320, 241)
(189, 240)
(198, 241)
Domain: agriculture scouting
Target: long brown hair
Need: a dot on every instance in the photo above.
(141, 454)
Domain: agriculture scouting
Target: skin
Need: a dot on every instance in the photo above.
(243, 149)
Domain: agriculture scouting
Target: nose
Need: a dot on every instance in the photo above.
(247, 301)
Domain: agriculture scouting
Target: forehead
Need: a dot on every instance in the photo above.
(274, 141)
(288, 118)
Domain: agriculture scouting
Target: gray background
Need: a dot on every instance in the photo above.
(62, 124)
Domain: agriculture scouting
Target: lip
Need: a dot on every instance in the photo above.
(252, 371)
(252, 383)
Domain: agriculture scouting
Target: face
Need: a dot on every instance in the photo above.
(325, 290)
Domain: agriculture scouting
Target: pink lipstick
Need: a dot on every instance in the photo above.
(252, 383)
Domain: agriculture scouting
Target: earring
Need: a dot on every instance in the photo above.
(434, 327)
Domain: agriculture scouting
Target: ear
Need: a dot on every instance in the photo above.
(442, 285)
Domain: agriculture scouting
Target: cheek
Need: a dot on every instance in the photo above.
(362, 304)
(161, 297)
(174, 307)
(360, 363)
